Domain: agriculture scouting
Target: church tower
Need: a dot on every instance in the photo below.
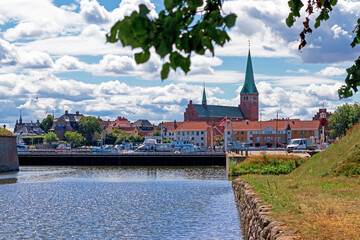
(204, 103)
(249, 95)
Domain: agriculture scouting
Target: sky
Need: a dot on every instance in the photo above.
(54, 57)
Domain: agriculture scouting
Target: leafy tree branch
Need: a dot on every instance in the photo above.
(323, 9)
(180, 30)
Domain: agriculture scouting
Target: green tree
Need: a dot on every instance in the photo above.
(166, 141)
(324, 7)
(46, 123)
(51, 137)
(75, 138)
(88, 126)
(180, 29)
(344, 117)
(156, 133)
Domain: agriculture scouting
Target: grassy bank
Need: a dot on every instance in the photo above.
(4, 132)
(321, 198)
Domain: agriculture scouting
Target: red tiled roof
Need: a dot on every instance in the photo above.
(257, 125)
(304, 125)
(193, 126)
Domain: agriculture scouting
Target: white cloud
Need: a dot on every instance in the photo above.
(331, 71)
(68, 63)
(301, 70)
(93, 12)
(337, 30)
(11, 55)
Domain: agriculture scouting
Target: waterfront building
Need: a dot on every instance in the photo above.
(66, 123)
(305, 129)
(248, 109)
(169, 129)
(198, 133)
(144, 127)
(28, 129)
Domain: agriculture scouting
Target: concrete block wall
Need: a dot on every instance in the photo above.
(255, 220)
(9, 160)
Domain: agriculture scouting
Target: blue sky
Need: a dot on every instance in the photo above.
(53, 56)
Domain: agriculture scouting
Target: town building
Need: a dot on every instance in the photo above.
(28, 129)
(248, 109)
(66, 123)
(198, 133)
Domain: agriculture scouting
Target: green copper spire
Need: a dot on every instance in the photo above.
(249, 84)
(204, 96)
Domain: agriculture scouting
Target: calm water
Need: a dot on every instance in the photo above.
(117, 203)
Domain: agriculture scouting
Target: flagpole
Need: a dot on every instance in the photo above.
(225, 140)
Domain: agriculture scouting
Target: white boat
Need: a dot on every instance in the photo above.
(164, 147)
(104, 149)
(149, 145)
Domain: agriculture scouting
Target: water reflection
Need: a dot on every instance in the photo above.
(112, 174)
(118, 203)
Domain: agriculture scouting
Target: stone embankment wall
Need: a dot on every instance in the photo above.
(255, 220)
(9, 160)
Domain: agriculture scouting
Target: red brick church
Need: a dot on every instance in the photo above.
(247, 110)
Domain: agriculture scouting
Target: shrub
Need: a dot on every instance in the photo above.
(268, 164)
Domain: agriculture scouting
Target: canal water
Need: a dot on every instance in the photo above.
(117, 203)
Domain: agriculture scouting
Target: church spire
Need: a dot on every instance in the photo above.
(249, 84)
(20, 120)
(204, 97)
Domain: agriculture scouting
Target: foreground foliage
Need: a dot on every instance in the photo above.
(323, 8)
(268, 164)
(179, 30)
(319, 198)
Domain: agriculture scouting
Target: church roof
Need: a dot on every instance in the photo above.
(249, 84)
(218, 111)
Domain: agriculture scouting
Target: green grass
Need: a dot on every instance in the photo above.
(4, 132)
(321, 198)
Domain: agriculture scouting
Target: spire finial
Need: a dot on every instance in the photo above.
(249, 43)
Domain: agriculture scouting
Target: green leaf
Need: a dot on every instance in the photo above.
(142, 57)
(169, 4)
(112, 37)
(143, 10)
(193, 4)
(290, 20)
(165, 71)
(230, 20)
(317, 23)
(163, 49)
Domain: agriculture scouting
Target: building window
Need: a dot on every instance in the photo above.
(197, 133)
(295, 132)
(242, 139)
(202, 144)
(202, 138)
(251, 138)
(310, 132)
(242, 132)
(258, 139)
(255, 104)
(228, 133)
(279, 139)
(303, 132)
(192, 132)
(250, 132)
(237, 138)
(254, 98)
(202, 132)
